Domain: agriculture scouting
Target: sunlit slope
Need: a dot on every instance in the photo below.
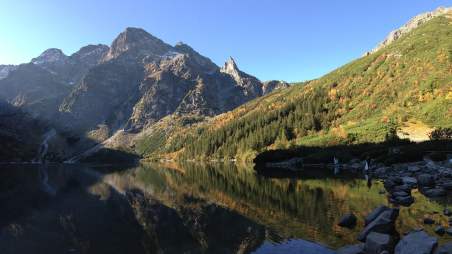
(363, 101)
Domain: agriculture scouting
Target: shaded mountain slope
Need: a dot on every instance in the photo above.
(40, 86)
(20, 134)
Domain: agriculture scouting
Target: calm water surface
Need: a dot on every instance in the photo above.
(154, 208)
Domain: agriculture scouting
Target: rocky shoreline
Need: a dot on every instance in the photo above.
(380, 236)
(433, 179)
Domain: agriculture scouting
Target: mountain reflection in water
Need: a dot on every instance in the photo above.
(154, 208)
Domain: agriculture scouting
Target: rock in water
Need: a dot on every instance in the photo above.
(348, 221)
(376, 243)
(417, 242)
(383, 223)
(374, 214)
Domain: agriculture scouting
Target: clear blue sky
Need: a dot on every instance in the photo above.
(292, 40)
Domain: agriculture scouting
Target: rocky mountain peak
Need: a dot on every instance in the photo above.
(139, 42)
(91, 54)
(52, 55)
(411, 25)
(198, 58)
(230, 66)
(90, 50)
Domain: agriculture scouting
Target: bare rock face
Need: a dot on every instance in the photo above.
(412, 24)
(51, 56)
(136, 42)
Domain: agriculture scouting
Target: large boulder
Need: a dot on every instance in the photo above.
(374, 214)
(384, 223)
(351, 249)
(376, 243)
(348, 221)
(410, 181)
(417, 242)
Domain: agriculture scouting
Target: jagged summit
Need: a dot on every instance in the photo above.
(410, 25)
(230, 66)
(91, 54)
(91, 49)
(135, 34)
(138, 41)
(51, 55)
(200, 59)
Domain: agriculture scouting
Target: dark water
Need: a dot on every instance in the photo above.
(186, 209)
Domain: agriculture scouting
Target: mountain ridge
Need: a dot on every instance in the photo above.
(126, 87)
(363, 101)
